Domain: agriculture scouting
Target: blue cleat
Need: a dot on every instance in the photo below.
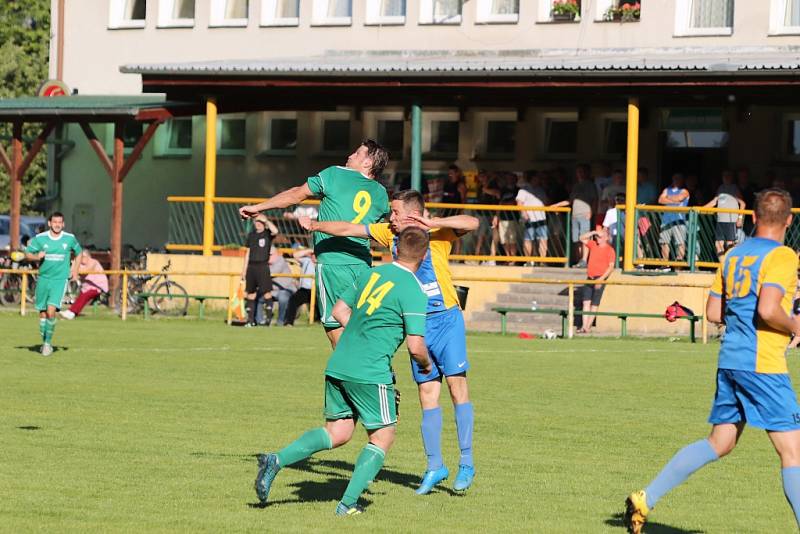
(464, 477)
(267, 469)
(343, 509)
(431, 478)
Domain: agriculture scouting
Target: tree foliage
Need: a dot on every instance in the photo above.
(24, 54)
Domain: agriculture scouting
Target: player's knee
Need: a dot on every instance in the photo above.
(340, 434)
(722, 445)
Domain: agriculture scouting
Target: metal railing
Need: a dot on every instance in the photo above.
(500, 236)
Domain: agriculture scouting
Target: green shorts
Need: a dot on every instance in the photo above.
(49, 293)
(373, 404)
(332, 281)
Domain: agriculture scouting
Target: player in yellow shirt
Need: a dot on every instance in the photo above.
(752, 295)
(445, 333)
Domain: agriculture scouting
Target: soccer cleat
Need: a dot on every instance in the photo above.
(431, 478)
(67, 314)
(636, 511)
(464, 477)
(47, 349)
(343, 509)
(267, 469)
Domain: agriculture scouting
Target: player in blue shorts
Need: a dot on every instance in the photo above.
(445, 333)
(752, 295)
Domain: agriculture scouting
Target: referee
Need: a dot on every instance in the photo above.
(255, 273)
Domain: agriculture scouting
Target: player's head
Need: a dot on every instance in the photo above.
(370, 158)
(412, 245)
(85, 257)
(56, 222)
(260, 223)
(405, 203)
(602, 236)
(773, 209)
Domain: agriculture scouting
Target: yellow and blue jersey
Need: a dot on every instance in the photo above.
(434, 272)
(749, 343)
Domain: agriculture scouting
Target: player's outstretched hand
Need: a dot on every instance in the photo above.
(304, 222)
(248, 212)
(419, 220)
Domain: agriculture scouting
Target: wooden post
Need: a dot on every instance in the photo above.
(16, 185)
(123, 305)
(116, 209)
(570, 309)
(631, 172)
(211, 177)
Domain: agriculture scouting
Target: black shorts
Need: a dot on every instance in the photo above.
(593, 293)
(725, 231)
(258, 279)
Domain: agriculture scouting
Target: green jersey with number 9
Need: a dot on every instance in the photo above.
(346, 195)
(387, 304)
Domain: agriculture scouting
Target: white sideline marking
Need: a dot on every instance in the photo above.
(670, 350)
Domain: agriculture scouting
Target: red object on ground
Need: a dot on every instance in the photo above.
(525, 335)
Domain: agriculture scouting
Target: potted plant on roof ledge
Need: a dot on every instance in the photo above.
(626, 12)
(565, 10)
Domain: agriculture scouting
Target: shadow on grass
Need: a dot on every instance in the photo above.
(29, 427)
(37, 348)
(652, 528)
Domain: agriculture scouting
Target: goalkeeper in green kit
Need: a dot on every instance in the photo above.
(53, 249)
(386, 305)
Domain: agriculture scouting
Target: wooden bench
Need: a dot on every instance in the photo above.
(145, 297)
(622, 316)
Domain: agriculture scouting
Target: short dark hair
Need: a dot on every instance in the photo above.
(411, 198)
(54, 215)
(412, 244)
(379, 156)
(773, 206)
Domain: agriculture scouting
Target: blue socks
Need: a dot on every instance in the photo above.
(791, 488)
(432, 437)
(465, 420)
(688, 460)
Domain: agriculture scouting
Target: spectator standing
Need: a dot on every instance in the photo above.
(583, 200)
(93, 284)
(748, 195)
(507, 221)
(455, 192)
(673, 224)
(488, 193)
(600, 265)
(696, 197)
(728, 197)
(255, 272)
(604, 178)
(646, 192)
(302, 296)
(614, 188)
(531, 194)
(282, 289)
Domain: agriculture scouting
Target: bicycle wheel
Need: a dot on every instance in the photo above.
(133, 302)
(170, 299)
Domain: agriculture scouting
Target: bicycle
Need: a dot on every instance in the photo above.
(166, 296)
(11, 283)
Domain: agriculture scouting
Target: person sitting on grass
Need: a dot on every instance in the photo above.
(94, 284)
(599, 267)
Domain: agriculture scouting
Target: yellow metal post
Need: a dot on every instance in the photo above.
(631, 172)
(211, 176)
(231, 289)
(570, 310)
(24, 297)
(311, 303)
(123, 305)
(704, 327)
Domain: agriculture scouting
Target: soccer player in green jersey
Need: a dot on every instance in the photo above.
(52, 249)
(348, 193)
(386, 305)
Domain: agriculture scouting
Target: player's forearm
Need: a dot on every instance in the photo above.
(776, 318)
(32, 257)
(341, 313)
(339, 228)
(459, 223)
(284, 199)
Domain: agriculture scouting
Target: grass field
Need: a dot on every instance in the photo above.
(154, 426)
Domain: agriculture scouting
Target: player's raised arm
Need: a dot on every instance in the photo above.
(461, 224)
(341, 312)
(284, 199)
(337, 228)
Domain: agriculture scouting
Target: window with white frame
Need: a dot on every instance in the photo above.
(440, 11)
(497, 11)
(279, 133)
(703, 17)
(231, 135)
(174, 138)
(332, 13)
(569, 8)
(336, 135)
(131, 133)
(127, 13)
(784, 17)
(440, 131)
(561, 134)
(383, 12)
(229, 13)
(495, 134)
(388, 129)
(280, 12)
(615, 135)
(176, 13)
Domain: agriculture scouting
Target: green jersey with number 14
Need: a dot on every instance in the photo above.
(346, 195)
(386, 305)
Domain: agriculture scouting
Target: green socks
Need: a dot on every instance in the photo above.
(42, 328)
(368, 464)
(49, 328)
(312, 441)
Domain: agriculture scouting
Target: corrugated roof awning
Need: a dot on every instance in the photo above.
(95, 108)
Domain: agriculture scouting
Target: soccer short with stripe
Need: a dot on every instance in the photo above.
(372, 404)
(446, 338)
(50, 292)
(332, 281)
(765, 401)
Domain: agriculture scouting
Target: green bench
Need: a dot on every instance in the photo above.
(622, 316)
(145, 297)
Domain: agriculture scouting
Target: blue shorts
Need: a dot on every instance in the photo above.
(762, 400)
(579, 227)
(535, 230)
(445, 336)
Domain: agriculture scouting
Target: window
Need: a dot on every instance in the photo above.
(390, 135)
(440, 11)
(336, 135)
(495, 134)
(131, 133)
(332, 13)
(792, 136)
(784, 17)
(283, 134)
(280, 12)
(231, 135)
(568, 10)
(703, 17)
(497, 11)
(176, 13)
(561, 136)
(619, 10)
(127, 14)
(383, 12)
(696, 139)
(616, 137)
(174, 138)
(229, 13)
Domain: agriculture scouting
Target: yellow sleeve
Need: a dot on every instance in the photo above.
(381, 233)
(443, 234)
(780, 270)
(717, 289)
